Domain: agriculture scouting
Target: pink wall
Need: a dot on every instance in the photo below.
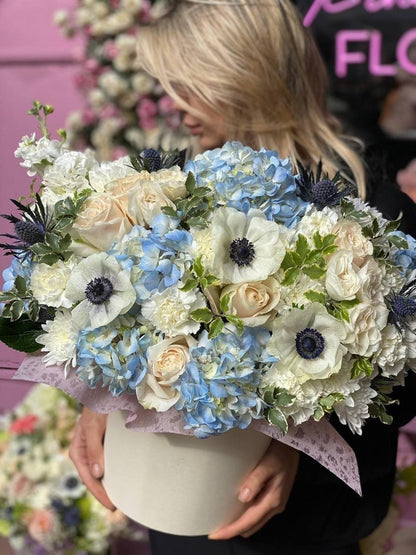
(36, 63)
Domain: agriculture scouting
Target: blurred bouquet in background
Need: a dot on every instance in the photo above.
(126, 109)
(44, 506)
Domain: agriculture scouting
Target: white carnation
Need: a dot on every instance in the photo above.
(322, 221)
(364, 329)
(59, 341)
(393, 352)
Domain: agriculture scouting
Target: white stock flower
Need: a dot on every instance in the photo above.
(392, 354)
(170, 310)
(59, 341)
(253, 302)
(37, 155)
(101, 288)
(308, 343)
(246, 247)
(349, 236)
(364, 328)
(68, 174)
(342, 279)
(48, 283)
(166, 361)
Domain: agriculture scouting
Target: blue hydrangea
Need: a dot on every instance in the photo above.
(18, 267)
(243, 178)
(219, 386)
(114, 356)
(406, 258)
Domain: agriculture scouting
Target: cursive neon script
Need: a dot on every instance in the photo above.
(338, 6)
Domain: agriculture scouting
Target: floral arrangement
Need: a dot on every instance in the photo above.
(44, 507)
(230, 291)
(126, 109)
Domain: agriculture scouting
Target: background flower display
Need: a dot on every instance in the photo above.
(126, 109)
(44, 507)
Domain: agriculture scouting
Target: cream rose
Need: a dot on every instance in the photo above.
(342, 280)
(350, 237)
(167, 361)
(48, 284)
(102, 220)
(363, 329)
(253, 302)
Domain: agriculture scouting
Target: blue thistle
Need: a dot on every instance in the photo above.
(31, 228)
(321, 191)
(153, 160)
(403, 306)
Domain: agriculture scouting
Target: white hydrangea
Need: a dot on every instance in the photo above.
(68, 174)
(322, 221)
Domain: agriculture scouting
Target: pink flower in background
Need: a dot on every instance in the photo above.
(89, 117)
(114, 4)
(165, 104)
(19, 486)
(24, 425)
(119, 152)
(145, 13)
(110, 49)
(85, 81)
(109, 111)
(42, 524)
(147, 111)
(91, 64)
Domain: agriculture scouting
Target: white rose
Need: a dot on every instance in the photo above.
(167, 361)
(253, 302)
(342, 280)
(102, 220)
(350, 237)
(371, 276)
(48, 284)
(364, 329)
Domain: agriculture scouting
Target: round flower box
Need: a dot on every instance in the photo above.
(175, 483)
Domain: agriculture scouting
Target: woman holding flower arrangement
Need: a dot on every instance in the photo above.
(247, 70)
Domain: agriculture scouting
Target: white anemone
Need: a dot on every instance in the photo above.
(246, 247)
(101, 288)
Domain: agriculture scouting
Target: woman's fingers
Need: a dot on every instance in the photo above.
(267, 489)
(80, 452)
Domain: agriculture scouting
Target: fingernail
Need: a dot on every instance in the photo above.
(96, 470)
(245, 495)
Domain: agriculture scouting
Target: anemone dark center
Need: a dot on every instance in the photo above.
(309, 343)
(323, 191)
(242, 251)
(71, 482)
(404, 307)
(99, 290)
(29, 233)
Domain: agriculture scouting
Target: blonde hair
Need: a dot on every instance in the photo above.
(254, 64)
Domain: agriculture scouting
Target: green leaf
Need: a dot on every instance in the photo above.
(198, 268)
(318, 414)
(169, 211)
(33, 310)
(361, 365)
(314, 271)
(201, 315)
(202, 192)
(393, 225)
(290, 276)
(302, 247)
(20, 285)
(397, 241)
(20, 335)
(215, 328)
(53, 241)
(288, 261)
(282, 397)
(49, 259)
(225, 302)
(190, 183)
(190, 284)
(328, 241)
(40, 249)
(328, 402)
(317, 240)
(197, 222)
(276, 417)
(378, 411)
(16, 309)
(315, 296)
(236, 321)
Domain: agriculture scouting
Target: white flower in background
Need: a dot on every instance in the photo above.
(308, 343)
(113, 24)
(126, 59)
(170, 310)
(242, 245)
(97, 99)
(354, 410)
(113, 84)
(37, 155)
(322, 221)
(167, 361)
(350, 237)
(342, 280)
(69, 485)
(68, 174)
(392, 355)
(364, 328)
(102, 289)
(253, 302)
(59, 341)
(132, 6)
(101, 220)
(135, 137)
(48, 283)
(142, 83)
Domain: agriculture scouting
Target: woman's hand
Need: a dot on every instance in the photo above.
(87, 453)
(266, 491)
